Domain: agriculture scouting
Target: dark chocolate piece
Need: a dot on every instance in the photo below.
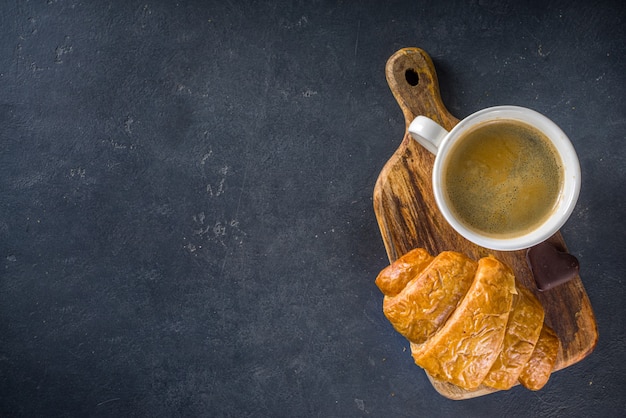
(550, 266)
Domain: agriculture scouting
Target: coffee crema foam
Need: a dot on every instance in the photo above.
(503, 178)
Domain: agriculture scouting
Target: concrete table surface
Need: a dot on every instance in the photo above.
(186, 222)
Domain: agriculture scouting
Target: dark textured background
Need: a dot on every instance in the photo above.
(186, 223)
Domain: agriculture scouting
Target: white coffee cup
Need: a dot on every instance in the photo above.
(440, 142)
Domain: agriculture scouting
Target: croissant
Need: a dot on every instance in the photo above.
(468, 323)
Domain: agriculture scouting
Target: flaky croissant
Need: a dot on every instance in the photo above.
(468, 323)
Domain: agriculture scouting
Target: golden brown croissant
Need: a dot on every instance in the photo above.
(469, 323)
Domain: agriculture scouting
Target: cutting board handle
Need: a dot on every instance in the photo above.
(413, 81)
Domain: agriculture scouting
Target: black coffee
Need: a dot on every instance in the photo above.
(503, 178)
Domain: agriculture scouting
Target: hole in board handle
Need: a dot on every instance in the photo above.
(412, 77)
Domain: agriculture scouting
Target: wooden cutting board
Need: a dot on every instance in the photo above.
(408, 216)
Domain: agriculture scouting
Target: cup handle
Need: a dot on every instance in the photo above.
(427, 132)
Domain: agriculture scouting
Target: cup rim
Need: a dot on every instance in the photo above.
(568, 196)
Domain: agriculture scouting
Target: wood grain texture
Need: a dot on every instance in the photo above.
(408, 216)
